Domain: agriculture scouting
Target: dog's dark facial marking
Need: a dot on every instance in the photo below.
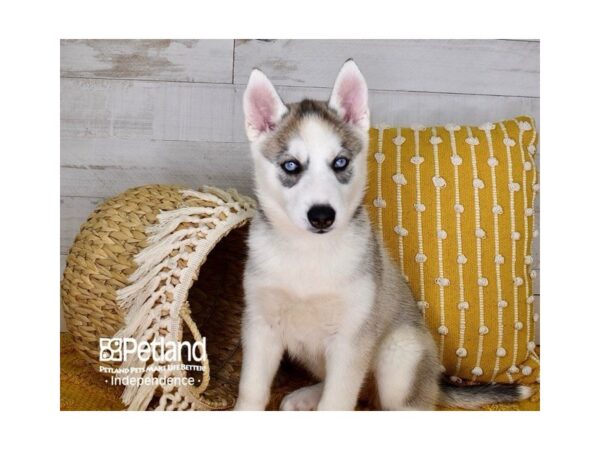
(290, 123)
(345, 176)
(288, 181)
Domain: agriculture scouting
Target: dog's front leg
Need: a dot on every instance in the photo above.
(346, 367)
(262, 352)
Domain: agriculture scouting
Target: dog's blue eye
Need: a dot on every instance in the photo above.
(292, 166)
(340, 163)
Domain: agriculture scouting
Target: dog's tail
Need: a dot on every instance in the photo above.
(473, 397)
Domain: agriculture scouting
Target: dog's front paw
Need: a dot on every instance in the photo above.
(303, 399)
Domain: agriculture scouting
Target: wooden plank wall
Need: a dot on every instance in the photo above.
(169, 111)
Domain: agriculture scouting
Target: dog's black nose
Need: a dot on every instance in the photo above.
(321, 216)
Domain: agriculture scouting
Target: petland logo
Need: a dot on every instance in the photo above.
(121, 349)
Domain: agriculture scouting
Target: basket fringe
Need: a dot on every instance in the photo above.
(170, 220)
(161, 283)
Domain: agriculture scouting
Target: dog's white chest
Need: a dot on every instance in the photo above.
(299, 293)
(308, 295)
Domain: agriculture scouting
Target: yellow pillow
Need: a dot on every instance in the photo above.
(455, 207)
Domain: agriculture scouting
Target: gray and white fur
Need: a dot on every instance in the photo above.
(318, 282)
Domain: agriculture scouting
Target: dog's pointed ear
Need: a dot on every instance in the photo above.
(263, 107)
(350, 97)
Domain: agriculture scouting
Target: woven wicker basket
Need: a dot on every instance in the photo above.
(133, 271)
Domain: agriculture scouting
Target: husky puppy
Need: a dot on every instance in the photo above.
(318, 282)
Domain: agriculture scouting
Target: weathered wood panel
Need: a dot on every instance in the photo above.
(157, 110)
(491, 67)
(103, 167)
(206, 61)
(198, 112)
